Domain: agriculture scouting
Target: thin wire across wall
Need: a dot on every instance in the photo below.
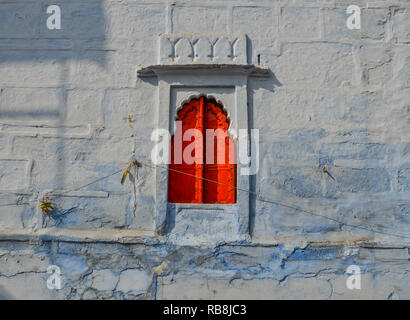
(364, 226)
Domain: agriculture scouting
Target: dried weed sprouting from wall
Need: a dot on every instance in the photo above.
(46, 205)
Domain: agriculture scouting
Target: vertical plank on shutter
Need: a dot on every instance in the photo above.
(224, 174)
(199, 167)
(182, 184)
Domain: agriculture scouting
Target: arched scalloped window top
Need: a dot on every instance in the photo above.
(211, 178)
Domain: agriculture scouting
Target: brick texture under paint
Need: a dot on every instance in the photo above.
(337, 98)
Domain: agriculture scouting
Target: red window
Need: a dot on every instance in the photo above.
(212, 180)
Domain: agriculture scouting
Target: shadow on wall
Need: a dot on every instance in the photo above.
(37, 60)
(257, 84)
(29, 32)
(33, 55)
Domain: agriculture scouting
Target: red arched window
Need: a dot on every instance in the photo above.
(212, 177)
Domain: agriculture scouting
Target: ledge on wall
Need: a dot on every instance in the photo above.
(213, 69)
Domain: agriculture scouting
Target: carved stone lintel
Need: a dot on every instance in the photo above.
(187, 48)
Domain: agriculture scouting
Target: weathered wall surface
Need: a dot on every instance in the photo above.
(336, 98)
(228, 271)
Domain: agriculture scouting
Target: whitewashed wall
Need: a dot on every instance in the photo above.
(335, 98)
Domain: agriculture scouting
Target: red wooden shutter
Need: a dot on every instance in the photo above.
(190, 183)
(184, 180)
(224, 175)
